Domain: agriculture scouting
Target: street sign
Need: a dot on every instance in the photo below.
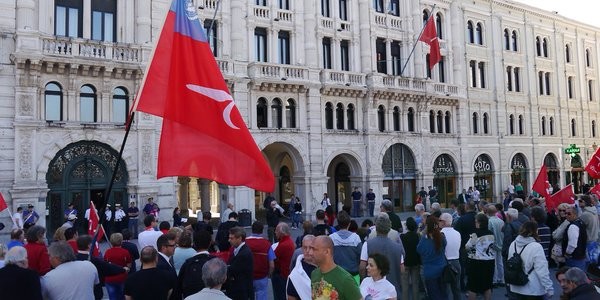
(572, 150)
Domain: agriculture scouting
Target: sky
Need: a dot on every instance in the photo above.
(585, 11)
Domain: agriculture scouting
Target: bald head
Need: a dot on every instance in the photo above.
(491, 210)
(324, 242)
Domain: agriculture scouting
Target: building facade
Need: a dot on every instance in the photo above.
(327, 88)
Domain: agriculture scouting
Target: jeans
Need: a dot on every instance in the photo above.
(296, 219)
(271, 235)
(356, 208)
(371, 208)
(436, 290)
(261, 288)
(454, 288)
(578, 263)
(410, 279)
(499, 269)
(278, 287)
(116, 291)
(133, 228)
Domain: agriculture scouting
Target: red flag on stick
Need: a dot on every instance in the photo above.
(565, 195)
(93, 225)
(3, 205)
(593, 166)
(596, 190)
(429, 37)
(541, 184)
(204, 134)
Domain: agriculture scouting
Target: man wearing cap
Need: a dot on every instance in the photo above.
(30, 217)
(119, 218)
(70, 221)
(70, 211)
(106, 221)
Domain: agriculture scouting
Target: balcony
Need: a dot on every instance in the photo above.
(261, 12)
(417, 85)
(88, 49)
(326, 23)
(207, 4)
(284, 16)
(225, 66)
(343, 78)
(258, 70)
(387, 21)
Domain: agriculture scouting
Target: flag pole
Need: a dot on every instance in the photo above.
(212, 22)
(415, 45)
(110, 184)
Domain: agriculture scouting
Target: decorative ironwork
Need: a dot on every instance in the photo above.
(483, 164)
(88, 170)
(518, 162)
(443, 165)
(398, 161)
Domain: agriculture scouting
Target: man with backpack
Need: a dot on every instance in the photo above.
(190, 275)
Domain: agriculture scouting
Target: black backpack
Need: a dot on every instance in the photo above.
(190, 275)
(513, 269)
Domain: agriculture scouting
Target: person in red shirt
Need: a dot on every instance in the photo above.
(37, 252)
(284, 250)
(115, 284)
(71, 236)
(263, 259)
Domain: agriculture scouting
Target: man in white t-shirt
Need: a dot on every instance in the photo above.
(18, 219)
(149, 236)
(452, 250)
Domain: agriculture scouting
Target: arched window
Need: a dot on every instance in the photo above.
(543, 126)
(545, 47)
(431, 121)
(438, 25)
(506, 39)
(410, 117)
(350, 113)
(261, 113)
(568, 53)
(588, 58)
(470, 32)
(570, 87)
(538, 46)
(515, 46)
(486, 123)
(475, 123)
(396, 116)
(473, 71)
(521, 125)
(551, 125)
(447, 122)
(120, 105)
(339, 116)
(573, 127)
(440, 122)
(593, 128)
(290, 113)
(276, 118)
(53, 102)
(425, 15)
(381, 118)
(87, 108)
(479, 31)
(511, 124)
(329, 115)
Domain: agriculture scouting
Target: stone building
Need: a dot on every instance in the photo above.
(326, 87)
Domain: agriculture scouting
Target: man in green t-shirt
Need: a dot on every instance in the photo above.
(328, 280)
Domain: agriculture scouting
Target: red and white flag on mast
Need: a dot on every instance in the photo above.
(93, 225)
(429, 37)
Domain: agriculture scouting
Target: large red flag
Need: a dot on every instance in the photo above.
(541, 184)
(593, 166)
(596, 190)
(93, 224)
(429, 36)
(565, 195)
(203, 134)
(3, 205)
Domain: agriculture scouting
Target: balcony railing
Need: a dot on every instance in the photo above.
(207, 4)
(277, 71)
(326, 23)
(387, 21)
(341, 77)
(224, 66)
(262, 12)
(417, 85)
(83, 48)
(285, 16)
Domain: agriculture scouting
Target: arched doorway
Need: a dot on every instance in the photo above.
(79, 173)
(484, 177)
(399, 182)
(551, 164)
(344, 172)
(518, 164)
(576, 173)
(285, 186)
(444, 179)
(343, 187)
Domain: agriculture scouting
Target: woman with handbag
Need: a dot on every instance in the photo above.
(481, 257)
(431, 250)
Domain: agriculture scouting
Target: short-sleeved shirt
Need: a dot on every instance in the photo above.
(118, 256)
(356, 195)
(377, 290)
(149, 284)
(70, 280)
(134, 211)
(337, 281)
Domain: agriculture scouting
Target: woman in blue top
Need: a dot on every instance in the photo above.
(431, 249)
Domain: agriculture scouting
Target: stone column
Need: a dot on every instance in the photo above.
(143, 21)
(204, 194)
(183, 192)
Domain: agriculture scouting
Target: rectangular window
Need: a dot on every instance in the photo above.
(394, 8)
(547, 82)
(284, 47)
(53, 108)
(517, 79)
(260, 44)
(541, 82)
(103, 20)
(509, 79)
(88, 110)
(345, 55)
(590, 90)
(442, 70)
(396, 59)
(119, 110)
(326, 53)
(482, 75)
(325, 12)
(211, 35)
(67, 21)
(284, 4)
(344, 10)
(378, 5)
(381, 57)
(261, 2)
(473, 69)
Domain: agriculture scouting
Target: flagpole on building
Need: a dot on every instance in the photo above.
(110, 184)
(212, 22)
(415, 44)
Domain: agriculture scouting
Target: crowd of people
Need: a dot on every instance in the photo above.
(474, 250)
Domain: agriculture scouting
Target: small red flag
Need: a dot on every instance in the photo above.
(541, 184)
(93, 224)
(203, 134)
(429, 37)
(593, 166)
(596, 190)
(565, 195)
(3, 205)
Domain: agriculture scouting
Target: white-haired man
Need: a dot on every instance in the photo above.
(16, 280)
(452, 252)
